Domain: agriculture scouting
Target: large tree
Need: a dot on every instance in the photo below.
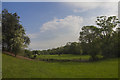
(102, 38)
(108, 34)
(89, 40)
(13, 34)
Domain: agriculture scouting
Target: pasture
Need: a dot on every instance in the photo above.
(64, 56)
(20, 68)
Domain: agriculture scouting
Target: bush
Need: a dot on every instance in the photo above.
(28, 53)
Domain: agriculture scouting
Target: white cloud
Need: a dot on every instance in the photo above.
(108, 8)
(57, 32)
(68, 23)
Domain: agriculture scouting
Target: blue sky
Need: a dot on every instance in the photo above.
(53, 24)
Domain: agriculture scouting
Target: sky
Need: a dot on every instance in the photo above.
(60, 0)
(53, 24)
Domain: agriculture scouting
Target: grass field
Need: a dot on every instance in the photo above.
(64, 56)
(20, 68)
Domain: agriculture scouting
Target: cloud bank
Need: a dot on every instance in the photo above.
(57, 32)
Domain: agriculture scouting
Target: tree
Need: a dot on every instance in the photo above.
(118, 42)
(72, 48)
(89, 36)
(107, 26)
(13, 33)
(28, 53)
(102, 39)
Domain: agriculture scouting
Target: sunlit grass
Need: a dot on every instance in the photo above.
(64, 56)
(20, 68)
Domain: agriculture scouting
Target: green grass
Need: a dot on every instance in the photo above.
(64, 56)
(20, 68)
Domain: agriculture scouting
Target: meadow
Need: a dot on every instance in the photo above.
(74, 35)
(19, 68)
(64, 56)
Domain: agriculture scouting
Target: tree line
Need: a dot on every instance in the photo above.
(100, 39)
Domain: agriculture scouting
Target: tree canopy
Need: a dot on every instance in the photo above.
(101, 39)
(13, 33)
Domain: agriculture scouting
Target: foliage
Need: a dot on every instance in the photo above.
(69, 48)
(101, 39)
(27, 53)
(108, 35)
(13, 34)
